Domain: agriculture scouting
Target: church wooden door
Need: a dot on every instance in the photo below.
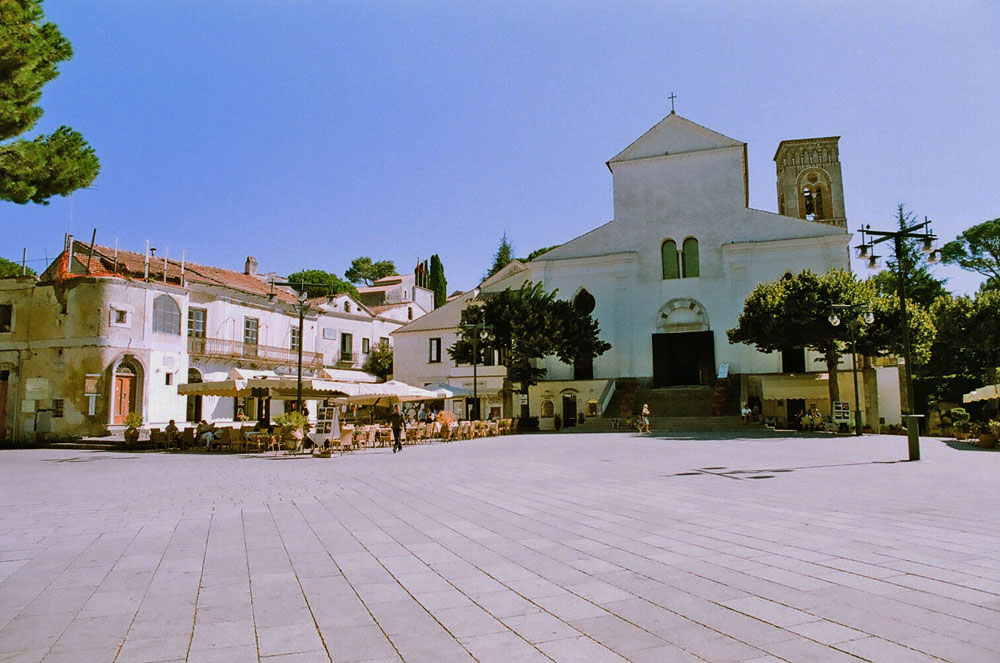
(686, 358)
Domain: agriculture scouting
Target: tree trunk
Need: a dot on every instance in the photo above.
(832, 359)
(508, 399)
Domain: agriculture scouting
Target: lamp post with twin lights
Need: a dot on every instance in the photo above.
(479, 332)
(922, 232)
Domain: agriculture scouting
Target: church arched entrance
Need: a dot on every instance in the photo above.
(683, 345)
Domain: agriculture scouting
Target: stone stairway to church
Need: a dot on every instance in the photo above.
(672, 408)
(664, 425)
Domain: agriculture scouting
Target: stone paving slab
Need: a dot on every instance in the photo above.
(558, 548)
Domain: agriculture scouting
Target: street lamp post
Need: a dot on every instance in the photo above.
(480, 331)
(300, 307)
(852, 325)
(922, 232)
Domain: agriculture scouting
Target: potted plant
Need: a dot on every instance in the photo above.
(133, 420)
(293, 427)
(989, 433)
(960, 423)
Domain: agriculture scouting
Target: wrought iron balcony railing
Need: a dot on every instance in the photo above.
(221, 348)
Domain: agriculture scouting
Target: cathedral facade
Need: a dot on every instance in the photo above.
(668, 275)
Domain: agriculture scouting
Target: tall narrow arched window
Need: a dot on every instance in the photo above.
(166, 316)
(668, 255)
(691, 262)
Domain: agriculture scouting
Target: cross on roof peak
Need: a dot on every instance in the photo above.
(671, 98)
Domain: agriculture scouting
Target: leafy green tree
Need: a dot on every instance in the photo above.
(977, 249)
(528, 324)
(437, 282)
(57, 164)
(379, 361)
(921, 284)
(364, 270)
(503, 256)
(968, 337)
(883, 336)
(318, 283)
(793, 313)
(9, 268)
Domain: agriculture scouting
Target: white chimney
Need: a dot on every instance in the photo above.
(251, 266)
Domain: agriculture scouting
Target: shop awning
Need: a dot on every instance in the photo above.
(801, 385)
(448, 391)
(280, 388)
(982, 394)
(388, 393)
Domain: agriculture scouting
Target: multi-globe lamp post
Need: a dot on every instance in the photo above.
(480, 332)
(851, 321)
(869, 239)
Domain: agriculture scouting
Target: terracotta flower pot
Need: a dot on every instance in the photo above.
(988, 441)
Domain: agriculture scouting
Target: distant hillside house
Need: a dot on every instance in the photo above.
(397, 297)
(668, 275)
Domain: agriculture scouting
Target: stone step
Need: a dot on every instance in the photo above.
(726, 423)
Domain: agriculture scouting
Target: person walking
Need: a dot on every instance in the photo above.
(397, 422)
(644, 425)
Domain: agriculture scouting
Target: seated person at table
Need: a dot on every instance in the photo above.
(205, 433)
(172, 432)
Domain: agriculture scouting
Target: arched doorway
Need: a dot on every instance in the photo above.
(193, 402)
(684, 347)
(125, 397)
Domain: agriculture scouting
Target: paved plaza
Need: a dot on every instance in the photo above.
(566, 548)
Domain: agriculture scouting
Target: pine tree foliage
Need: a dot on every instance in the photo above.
(921, 284)
(59, 163)
(503, 256)
(365, 270)
(977, 249)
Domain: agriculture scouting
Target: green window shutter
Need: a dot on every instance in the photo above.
(668, 254)
(691, 263)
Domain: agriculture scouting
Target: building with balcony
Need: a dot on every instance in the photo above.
(105, 332)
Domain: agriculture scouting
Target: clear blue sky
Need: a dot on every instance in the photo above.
(309, 133)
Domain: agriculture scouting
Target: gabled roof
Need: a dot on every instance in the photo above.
(673, 135)
(130, 266)
(324, 303)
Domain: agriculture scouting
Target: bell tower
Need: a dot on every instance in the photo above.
(810, 185)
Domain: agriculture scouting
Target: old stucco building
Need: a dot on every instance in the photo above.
(103, 332)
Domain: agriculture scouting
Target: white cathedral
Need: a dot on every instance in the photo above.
(666, 277)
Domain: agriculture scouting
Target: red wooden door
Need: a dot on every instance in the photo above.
(124, 395)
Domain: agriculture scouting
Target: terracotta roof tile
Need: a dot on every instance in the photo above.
(131, 265)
